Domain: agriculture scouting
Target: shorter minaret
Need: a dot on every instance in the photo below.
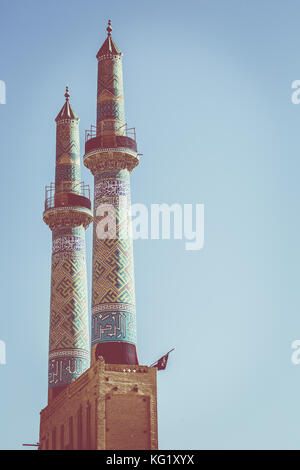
(68, 214)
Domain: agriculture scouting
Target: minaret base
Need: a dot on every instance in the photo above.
(110, 407)
(116, 352)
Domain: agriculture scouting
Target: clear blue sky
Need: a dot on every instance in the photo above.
(208, 88)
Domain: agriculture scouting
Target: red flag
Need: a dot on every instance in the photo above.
(161, 364)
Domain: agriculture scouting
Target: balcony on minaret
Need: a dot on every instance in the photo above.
(102, 138)
(67, 194)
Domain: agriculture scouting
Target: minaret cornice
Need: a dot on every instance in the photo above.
(111, 159)
(110, 56)
(59, 217)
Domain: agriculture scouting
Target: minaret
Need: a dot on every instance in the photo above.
(111, 154)
(113, 404)
(68, 214)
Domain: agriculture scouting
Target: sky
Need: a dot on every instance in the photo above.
(208, 89)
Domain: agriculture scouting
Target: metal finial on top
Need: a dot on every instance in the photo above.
(67, 94)
(109, 28)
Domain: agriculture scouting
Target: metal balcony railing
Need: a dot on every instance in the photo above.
(123, 130)
(67, 194)
(90, 133)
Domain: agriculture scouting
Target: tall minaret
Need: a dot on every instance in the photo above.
(111, 154)
(68, 214)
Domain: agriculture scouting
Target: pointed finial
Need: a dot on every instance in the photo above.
(109, 28)
(67, 95)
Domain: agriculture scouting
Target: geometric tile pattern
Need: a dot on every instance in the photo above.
(67, 172)
(110, 100)
(69, 329)
(113, 295)
(111, 110)
(110, 76)
(68, 154)
(67, 141)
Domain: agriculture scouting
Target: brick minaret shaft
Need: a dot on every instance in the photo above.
(67, 212)
(111, 155)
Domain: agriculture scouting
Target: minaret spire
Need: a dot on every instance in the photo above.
(109, 28)
(111, 154)
(109, 46)
(66, 111)
(67, 213)
(67, 95)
